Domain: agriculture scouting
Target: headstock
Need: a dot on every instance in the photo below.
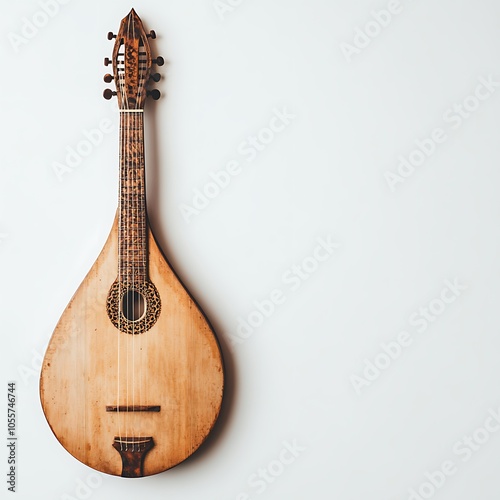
(132, 63)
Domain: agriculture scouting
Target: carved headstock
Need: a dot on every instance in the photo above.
(132, 64)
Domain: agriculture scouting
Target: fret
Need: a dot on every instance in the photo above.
(132, 224)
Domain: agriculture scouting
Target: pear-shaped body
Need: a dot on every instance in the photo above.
(132, 403)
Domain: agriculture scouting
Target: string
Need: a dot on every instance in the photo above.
(136, 220)
(120, 242)
(133, 236)
(133, 174)
(140, 180)
(137, 167)
(138, 216)
(124, 179)
(130, 264)
(140, 206)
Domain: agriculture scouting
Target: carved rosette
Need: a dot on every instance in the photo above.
(115, 313)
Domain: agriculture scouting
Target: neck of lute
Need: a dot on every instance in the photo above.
(132, 223)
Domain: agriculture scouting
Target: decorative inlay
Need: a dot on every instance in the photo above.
(115, 310)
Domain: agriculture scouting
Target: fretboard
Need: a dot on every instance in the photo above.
(132, 224)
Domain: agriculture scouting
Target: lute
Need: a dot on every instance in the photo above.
(132, 379)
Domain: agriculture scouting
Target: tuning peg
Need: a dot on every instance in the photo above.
(108, 78)
(111, 35)
(108, 94)
(107, 61)
(152, 34)
(159, 61)
(155, 77)
(155, 94)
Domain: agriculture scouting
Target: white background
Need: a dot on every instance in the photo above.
(323, 176)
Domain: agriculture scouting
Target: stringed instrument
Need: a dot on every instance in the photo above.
(132, 379)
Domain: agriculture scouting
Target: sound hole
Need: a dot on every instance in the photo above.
(133, 305)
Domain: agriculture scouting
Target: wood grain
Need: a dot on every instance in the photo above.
(132, 218)
(89, 365)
